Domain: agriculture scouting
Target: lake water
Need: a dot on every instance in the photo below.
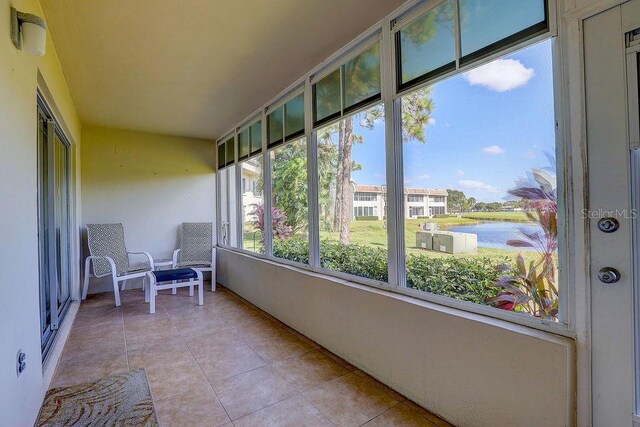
(494, 234)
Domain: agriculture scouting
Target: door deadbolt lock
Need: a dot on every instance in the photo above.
(608, 225)
(608, 275)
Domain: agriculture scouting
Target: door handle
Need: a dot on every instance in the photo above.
(608, 225)
(608, 275)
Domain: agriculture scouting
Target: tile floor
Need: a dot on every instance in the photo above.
(226, 363)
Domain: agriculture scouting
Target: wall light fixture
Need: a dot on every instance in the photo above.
(28, 32)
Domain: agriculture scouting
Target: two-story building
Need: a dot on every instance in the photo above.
(370, 200)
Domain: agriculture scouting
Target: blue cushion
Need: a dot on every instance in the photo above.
(175, 274)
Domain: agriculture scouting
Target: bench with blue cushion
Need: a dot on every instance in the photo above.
(178, 277)
(175, 274)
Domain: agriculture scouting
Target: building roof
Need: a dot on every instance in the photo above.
(426, 191)
(418, 191)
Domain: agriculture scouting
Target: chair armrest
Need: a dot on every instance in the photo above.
(175, 257)
(147, 254)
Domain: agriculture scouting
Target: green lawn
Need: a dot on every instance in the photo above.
(372, 233)
(252, 240)
(497, 216)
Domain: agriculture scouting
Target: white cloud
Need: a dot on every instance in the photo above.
(469, 184)
(423, 176)
(500, 75)
(432, 121)
(460, 172)
(493, 150)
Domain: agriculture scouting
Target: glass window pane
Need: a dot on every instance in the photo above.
(274, 126)
(327, 96)
(221, 156)
(230, 151)
(294, 116)
(362, 76)
(480, 192)
(289, 201)
(484, 22)
(233, 206)
(427, 43)
(252, 205)
(352, 195)
(243, 143)
(256, 137)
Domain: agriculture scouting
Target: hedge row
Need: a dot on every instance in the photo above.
(366, 218)
(464, 278)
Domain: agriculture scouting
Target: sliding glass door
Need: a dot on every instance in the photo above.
(54, 160)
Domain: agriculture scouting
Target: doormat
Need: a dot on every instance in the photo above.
(122, 400)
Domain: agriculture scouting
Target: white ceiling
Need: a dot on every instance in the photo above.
(194, 67)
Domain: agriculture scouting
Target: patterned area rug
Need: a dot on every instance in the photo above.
(118, 400)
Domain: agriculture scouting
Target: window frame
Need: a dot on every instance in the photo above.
(407, 20)
(514, 39)
(247, 127)
(337, 65)
(268, 202)
(384, 32)
(240, 202)
(365, 196)
(281, 104)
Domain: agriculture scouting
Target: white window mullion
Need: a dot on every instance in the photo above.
(218, 204)
(266, 189)
(312, 177)
(394, 232)
(238, 190)
(456, 32)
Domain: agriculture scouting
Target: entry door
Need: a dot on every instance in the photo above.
(613, 156)
(54, 225)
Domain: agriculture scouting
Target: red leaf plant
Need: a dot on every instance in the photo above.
(533, 288)
(279, 227)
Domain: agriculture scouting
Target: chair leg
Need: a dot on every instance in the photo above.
(174, 290)
(124, 285)
(116, 290)
(191, 287)
(152, 295)
(213, 270)
(146, 283)
(85, 287)
(200, 288)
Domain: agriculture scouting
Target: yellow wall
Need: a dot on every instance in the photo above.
(20, 398)
(151, 183)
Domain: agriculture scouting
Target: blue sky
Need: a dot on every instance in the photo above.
(489, 127)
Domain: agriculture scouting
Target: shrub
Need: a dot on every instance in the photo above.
(464, 278)
(363, 261)
(293, 249)
(366, 218)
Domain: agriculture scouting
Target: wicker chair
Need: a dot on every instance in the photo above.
(196, 249)
(110, 257)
